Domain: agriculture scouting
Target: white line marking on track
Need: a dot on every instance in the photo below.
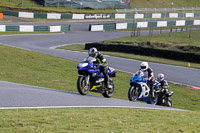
(48, 107)
(45, 34)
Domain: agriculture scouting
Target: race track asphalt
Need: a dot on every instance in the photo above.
(78, 35)
(16, 96)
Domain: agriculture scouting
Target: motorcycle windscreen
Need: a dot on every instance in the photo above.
(111, 72)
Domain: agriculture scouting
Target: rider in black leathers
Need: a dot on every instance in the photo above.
(163, 82)
(102, 63)
(148, 74)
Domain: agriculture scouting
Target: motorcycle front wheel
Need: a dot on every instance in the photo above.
(169, 103)
(133, 93)
(83, 89)
(110, 92)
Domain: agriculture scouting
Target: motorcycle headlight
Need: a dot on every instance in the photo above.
(82, 64)
(94, 74)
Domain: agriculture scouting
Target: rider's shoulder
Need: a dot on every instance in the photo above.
(99, 54)
(165, 82)
(150, 69)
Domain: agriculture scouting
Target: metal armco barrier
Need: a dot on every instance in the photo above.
(118, 26)
(33, 28)
(100, 16)
(168, 54)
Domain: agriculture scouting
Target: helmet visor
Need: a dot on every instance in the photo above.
(92, 55)
(143, 67)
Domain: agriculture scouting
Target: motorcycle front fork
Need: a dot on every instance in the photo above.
(87, 79)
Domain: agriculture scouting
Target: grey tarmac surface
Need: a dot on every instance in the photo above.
(15, 96)
(77, 35)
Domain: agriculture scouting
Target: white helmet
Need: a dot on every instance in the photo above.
(161, 77)
(144, 66)
(92, 52)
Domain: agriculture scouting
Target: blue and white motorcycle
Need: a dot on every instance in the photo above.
(91, 79)
(139, 89)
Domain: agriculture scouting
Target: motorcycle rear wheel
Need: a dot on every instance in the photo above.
(154, 102)
(83, 89)
(110, 92)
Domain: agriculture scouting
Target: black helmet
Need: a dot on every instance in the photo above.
(92, 52)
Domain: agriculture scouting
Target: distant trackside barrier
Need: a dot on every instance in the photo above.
(33, 28)
(100, 16)
(118, 26)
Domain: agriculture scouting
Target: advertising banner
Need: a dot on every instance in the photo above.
(97, 16)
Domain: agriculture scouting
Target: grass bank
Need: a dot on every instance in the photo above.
(43, 70)
(5, 21)
(163, 3)
(175, 38)
(99, 120)
(33, 6)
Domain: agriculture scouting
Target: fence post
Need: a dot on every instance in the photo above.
(152, 32)
(170, 32)
(134, 31)
(146, 14)
(45, 3)
(190, 32)
(22, 3)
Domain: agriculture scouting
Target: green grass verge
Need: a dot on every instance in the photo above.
(163, 3)
(99, 120)
(17, 3)
(53, 9)
(31, 5)
(176, 38)
(5, 21)
(27, 67)
(37, 69)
